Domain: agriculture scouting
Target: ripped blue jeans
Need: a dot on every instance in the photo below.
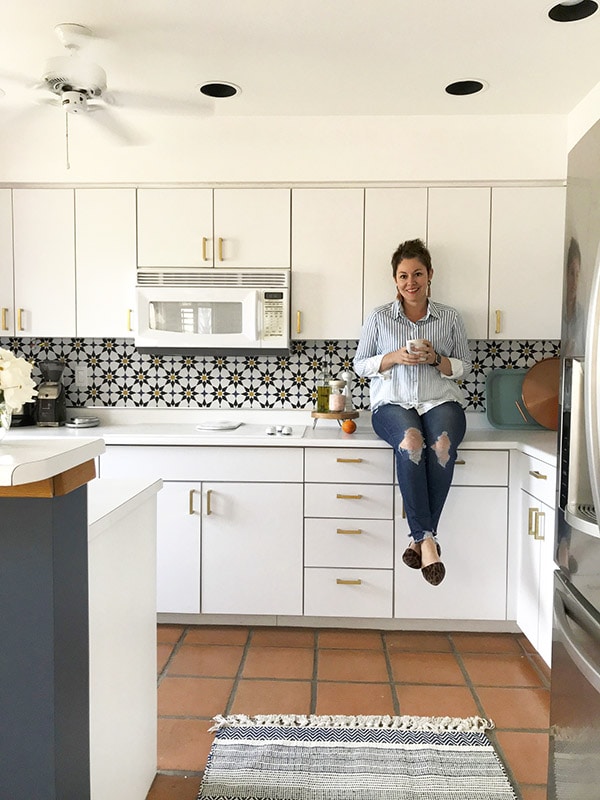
(425, 448)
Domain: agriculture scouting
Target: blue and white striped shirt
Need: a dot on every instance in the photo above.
(421, 386)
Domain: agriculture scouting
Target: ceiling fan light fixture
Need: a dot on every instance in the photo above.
(219, 89)
(572, 10)
(466, 86)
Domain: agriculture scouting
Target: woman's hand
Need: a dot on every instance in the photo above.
(425, 355)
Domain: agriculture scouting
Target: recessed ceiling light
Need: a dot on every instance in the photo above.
(467, 86)
(573, 10)
(219, 89)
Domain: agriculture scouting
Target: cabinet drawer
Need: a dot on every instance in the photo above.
(360, 501)
(349, 465)
(539, 480)
(348, 592)
(349, 543)
(481, 468)
(252, 464)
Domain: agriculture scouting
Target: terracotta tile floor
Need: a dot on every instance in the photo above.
(204, 671)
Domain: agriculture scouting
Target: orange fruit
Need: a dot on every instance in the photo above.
(348, 426)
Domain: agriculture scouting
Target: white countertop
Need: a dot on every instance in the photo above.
(25, 460)
(110, 500)
(175, 427)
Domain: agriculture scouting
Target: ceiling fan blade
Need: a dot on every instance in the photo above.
(162, 104)
(104, 117)
(18, 79)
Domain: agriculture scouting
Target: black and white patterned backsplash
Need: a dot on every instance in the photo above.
(117, 375)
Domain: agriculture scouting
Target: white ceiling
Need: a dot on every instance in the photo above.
(311, 57)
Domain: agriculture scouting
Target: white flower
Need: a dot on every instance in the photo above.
(16, 386)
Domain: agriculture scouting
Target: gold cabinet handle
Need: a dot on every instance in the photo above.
(4, 313)
(208, 508)
(538, 532)
(349, 496)
(460, 461)
(342, 582)
(204, 241)
(349, 460)
(498, 321)
(129, 313)
(20, 320)
(298, 322)
(191, 509)
(535, 474)
(532, 521)
(221, 249)
(344, 531)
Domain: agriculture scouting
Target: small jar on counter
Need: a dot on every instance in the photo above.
(337, 399)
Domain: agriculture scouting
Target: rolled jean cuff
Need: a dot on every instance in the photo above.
(426, 535)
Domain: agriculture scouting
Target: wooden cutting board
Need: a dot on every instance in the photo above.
(540, 392)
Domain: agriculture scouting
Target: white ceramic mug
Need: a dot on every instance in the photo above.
(416, 346)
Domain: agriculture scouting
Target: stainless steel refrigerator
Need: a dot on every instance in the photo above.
(574, 767)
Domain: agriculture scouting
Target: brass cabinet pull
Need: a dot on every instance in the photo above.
(403, 511)
(4, 313)
(342, 530)
(204, 241)
(531, 520)
(349, 460)
(191, 509)
(460, 461)
(129, 312)
(221, 249)
(538, 533)
(498, 321)
(342, 582)
(298, 322)
(208, 508)
(20, 320)
(535, 474)
(349, 496)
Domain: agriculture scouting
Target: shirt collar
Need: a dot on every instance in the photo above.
(432, 310)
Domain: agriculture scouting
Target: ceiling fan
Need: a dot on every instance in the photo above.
(78, 86)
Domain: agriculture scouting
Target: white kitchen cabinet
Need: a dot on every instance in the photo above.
(229, 527)
(348, 532)
(44, 262)
(526, 262)
(458, 237)
(105, 253)
(473, 535)
(178, 227)
(535, 583)
(7, 300)
(327, 261)
(392, 215)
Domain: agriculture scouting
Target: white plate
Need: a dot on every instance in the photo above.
(218, 425)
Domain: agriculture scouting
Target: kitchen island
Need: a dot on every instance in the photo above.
(45, 618)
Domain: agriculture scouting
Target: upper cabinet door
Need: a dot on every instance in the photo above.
(105, 260)
(251, 228)
(7, 315)
(459, 241)
(391, 216)
(526, 265)
(174, 227)
(327, 255)
(44, 258)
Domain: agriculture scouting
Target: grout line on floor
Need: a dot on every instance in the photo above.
(238, 675)
(174, 651)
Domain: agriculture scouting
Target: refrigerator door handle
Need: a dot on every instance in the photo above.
(592, 386)
(589, 670)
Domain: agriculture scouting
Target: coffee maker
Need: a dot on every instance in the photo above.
(50, 407)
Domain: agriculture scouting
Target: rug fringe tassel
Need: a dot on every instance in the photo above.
(407, 723)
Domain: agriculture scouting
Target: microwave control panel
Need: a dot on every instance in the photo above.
(273, 314)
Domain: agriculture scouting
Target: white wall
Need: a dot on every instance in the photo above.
(583, 117)
(286, 149)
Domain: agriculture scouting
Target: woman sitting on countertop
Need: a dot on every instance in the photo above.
(416, 403)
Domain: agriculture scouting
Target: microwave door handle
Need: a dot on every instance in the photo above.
(589, 670)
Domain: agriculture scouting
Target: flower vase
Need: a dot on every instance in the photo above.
(5, 419)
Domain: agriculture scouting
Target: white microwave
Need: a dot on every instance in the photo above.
(213, 311)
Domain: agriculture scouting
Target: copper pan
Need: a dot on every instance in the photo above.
(540, 392)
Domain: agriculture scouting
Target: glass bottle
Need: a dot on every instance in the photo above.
(337, 399)
(323, 390)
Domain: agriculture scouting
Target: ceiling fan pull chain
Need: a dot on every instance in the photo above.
(67, 140)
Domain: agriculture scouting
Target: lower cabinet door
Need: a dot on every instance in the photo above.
(178, 548)
(252, 548)
(473, 535)
(332, 592)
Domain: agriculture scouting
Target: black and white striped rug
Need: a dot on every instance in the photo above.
(282, 757)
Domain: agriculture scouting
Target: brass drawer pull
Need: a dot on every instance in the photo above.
(498, 321)
(349, 460)
(129, 313)
(342, 582)
(341, 530)
(349, 496)
(4, 313)
(20, 320)
(191, 509)
(538, 534)
(221, 249)
(298, 322)
(208, 495)
(532, 521)
(460, 461)
(204, 241)
(535, 474)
